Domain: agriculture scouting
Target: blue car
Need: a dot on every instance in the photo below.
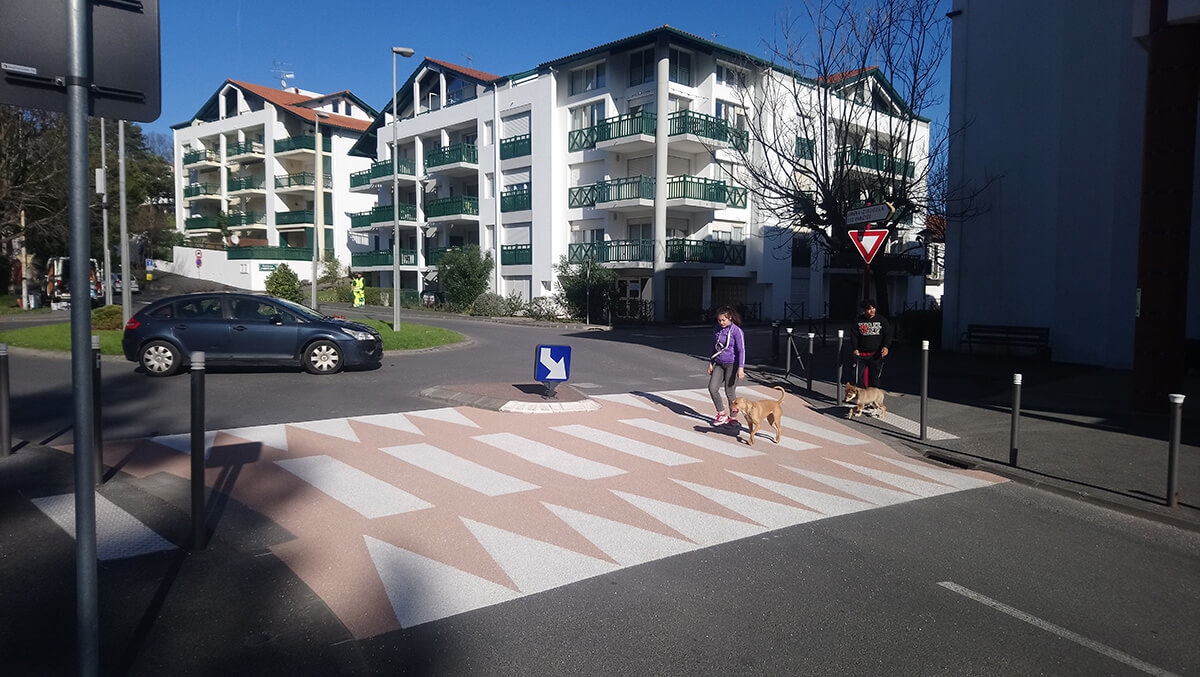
(245, 329)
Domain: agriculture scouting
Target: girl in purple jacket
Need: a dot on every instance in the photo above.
(728, 362)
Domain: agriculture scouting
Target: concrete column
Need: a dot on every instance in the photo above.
(416, 96)
(497, 182)
(419, 171)
(662, 102)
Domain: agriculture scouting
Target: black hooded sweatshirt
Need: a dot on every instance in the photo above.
(873, 334)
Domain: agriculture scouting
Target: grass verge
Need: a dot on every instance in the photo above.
(411, 336)
(8, 306)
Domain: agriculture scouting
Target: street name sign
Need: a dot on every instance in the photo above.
(868, 242)
(879, 212)
(552, 363)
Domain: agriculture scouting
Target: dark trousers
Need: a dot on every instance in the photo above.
(870, 368)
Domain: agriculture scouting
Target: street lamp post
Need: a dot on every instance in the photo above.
(318, 205)
(405, 52)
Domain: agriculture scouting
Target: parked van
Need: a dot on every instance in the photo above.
(58, 280)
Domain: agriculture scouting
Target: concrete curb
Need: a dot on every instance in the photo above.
(458, 398)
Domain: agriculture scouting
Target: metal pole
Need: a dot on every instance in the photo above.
(924, 385)
(788, 371)
(5, 412)
(97, 416)
(1173, 451)
(838, 358)
(396, 205)
(87, 604)
(809, 369)
(198, 536)
(775, 342)
(126, 293)
(1016, 420)
(108, 271)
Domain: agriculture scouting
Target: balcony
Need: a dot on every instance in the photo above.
(249, 150)
(382, 257)
(688, 193)
(383, 215)
(696, 132)
(201, 157)
(270, 253)
(516, 200)
(301, 144)
(244, 219)
(381, 170)
(736, 197)
(434, 256)
(516, 146)
(805, 148)
(200, 191)
(612, 251)
(298, 217)
(202, 223)
(705, 251)
(694, 193)
(245, 184)
(516, 254)
(875, 160)
(459, 159)
(451, 208)
(628, 132)
(300, 181)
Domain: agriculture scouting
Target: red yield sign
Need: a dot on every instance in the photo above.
(868, 242)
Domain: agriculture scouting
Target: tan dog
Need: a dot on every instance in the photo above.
(864, 397)
(761, 410)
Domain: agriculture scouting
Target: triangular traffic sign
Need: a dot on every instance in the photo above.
(868, 242)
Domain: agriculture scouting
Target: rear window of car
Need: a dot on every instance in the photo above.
(207, 307)
(165, 311)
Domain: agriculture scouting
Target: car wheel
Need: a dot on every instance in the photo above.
(160, 358)
(322, 357)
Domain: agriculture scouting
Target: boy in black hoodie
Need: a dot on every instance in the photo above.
(873, 337)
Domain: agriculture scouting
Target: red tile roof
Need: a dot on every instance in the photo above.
(469, 72)
(291, 101)
(835, 78)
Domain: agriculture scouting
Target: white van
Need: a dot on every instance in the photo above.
(58, 280)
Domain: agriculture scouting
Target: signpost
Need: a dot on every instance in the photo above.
(872, 214)
(551, 366)
(868, 242)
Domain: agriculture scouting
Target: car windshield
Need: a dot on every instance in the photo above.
(302, 311)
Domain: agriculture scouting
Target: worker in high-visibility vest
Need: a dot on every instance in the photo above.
(360, 291)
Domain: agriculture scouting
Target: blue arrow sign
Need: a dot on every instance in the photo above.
(552, 363)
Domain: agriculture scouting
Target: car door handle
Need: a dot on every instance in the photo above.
(240, 327)
(181, 326)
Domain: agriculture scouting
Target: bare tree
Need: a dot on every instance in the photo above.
(32, 174)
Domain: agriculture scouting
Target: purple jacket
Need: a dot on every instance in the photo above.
(729, 345)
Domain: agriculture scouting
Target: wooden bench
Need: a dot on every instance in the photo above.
(1010, 336)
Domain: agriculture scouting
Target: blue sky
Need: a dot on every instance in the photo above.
(346, 44)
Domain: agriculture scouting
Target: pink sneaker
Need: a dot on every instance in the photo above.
(721, 419)
(730, 420)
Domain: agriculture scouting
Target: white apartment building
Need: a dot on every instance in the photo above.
(623, 152)
(246, 181)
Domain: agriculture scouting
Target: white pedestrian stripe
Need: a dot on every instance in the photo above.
(914, 428)
(766, 433)
(445, 415)
(823, 433)
(922, 488)
(118, 533)
(459, 470)
(820, 501)
(394, 421)
(625, 445)
(365, 494)
(626, 544)
(866, 492)
(334, 427)
(183, 442)
(702, 527)
(709, 442)
(770, 514)
(690, 395)
(944, 476)
(274, 436)
(422, 590)
(549, 457)
(628, 399)
(532, 564)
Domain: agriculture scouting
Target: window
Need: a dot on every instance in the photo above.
(678, 103)
(348, 109)
(676, 233)
(470, 138)
(641, 67)
(204, 307)
(458, 91)
(586, 79)
(732, 113)
(337, 107)
(739, 233)
(721, 235)
(641, 231)
(731, 77)
(587, 116)
(681, 67)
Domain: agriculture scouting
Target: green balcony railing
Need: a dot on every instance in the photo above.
(200, 155)
(516, 200)
(246, 219)
(302, 143)
(452, 206)
(583, 196)
(627, 188)
(611, 251)
(301, 179)
(199, 222)
(516, 254)
(270, 253)
(459, 152)
(705, 251)
(299, 216)
(434, 256)
(699, 124)
(198, 189)
(696, 188)
(245, 183)
(736, 197)
(516, 146)
(383, 257)
(244, 148)
(871, 159)
(629, 124)
(739, 139)
(381, 169)
(383, 214)
(805, 148)
(581, 139)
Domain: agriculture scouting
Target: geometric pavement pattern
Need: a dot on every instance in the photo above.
(405, 518)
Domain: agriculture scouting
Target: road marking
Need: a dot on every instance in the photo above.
(914, 428)
(770, 514)
(445, 415)
(274, 436)
(394, 421)
(923, 488)
(627, 544)
(823, 433)
(365, 494)
(817, 500)
(1099, 648)
(549, 457)
(701, 527)
(118, 533)
(866, 492)
(625, 445)
(459, 470)
(628, 399)
(733, 450)
(334, 427)
(532, 564)
(183, 442)
(944, 476)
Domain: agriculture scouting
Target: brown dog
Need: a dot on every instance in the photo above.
(761, 410)
(863, 397)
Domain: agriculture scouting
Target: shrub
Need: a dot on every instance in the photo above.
(542, 308)
(514, 304)
(489, 305)
(587, 289)
(285, 284)
(108, 317)
(463, 274)
(331, 271)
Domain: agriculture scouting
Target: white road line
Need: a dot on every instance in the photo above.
(628, 545)
(274, 436)
(702, 527)
(365, 494)
(394, 421)
(711, 443)
(817, 500)
(1099, 648)
(445, 415)
(334, 427)
(923, 488)
(118, 533)
(914, 428)
(954, 479)
(628, 399)
(459, 470)
(823, 433)
(860, 490)
(532, 564)
(625, 445)
(770, 514)
(549, 457)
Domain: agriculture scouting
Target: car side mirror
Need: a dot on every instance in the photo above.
(277, 319)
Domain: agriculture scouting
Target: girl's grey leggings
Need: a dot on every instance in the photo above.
(722, 375)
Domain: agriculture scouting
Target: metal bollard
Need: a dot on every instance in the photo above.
(924, 385)
(1173, 451)
(97, 411)
(1016, 421)
(809, 370)
(198, 535)
(788, 368)
(775, 342)
(5, 412)
(838, 358)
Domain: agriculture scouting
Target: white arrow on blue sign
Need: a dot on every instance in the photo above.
(552, 363)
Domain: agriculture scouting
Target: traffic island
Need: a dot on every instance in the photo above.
(523, 398)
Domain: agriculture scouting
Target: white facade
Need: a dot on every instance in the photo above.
(622, 152)
(248, 158)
